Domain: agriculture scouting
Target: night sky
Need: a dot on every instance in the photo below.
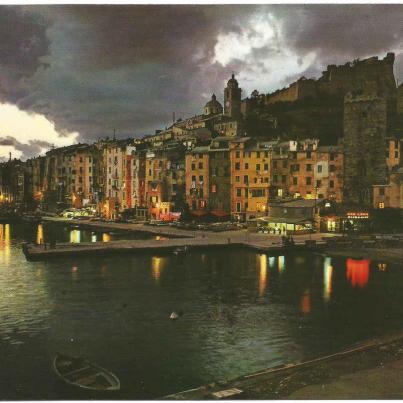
(81, 71)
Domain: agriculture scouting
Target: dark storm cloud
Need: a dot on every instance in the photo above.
(33, 147)
(95, 68)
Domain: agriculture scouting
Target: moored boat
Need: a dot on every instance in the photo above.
(82, 373)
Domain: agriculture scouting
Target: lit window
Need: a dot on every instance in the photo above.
(381, 205)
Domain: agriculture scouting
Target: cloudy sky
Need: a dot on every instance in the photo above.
(74, 73)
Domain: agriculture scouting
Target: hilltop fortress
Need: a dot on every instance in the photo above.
(338, 80)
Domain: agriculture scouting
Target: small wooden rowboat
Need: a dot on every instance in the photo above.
(84, 374)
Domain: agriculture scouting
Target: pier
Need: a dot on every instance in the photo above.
(173, 239)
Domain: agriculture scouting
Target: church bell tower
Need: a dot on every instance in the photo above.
(232, 98)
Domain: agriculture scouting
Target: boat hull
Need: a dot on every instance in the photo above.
(82, 373)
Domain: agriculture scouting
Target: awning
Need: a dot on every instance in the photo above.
(198, 213)
(219, 213)
(286, 220)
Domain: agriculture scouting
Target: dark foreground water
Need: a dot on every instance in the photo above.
(243, 312)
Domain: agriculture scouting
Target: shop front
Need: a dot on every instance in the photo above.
(283, 225)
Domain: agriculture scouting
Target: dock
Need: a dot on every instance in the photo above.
(35, 252)
(39, 252)
(172, 239)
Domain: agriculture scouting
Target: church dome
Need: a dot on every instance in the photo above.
(232, 82)
(212, 106)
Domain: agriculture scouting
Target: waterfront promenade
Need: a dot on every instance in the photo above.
(171, 240)
(369, 370)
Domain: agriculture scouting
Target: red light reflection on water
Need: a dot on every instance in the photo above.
(358, 272)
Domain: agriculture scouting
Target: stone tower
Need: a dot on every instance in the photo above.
(365, 128)
(232, 99)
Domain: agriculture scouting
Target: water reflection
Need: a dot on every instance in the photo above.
(281, 264)
(106, 237)
(157, 264)
(382, 266)
(358, 272)
(272, 262)
(5, 243)
(74, 273)
(93, 237)
(39, 234)
(327, 278)
(262, 274)
(305, 304)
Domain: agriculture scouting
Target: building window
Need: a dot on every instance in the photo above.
(258, 192)
(318, 183)
(213, 188)
(245, 179)
(331, 184)
(257, 167)
(283, 179)
(332, 168)
(381, 191)
(266, 167)
(201, 178)
(237, 154)
(295, 180)
(258, 154)
(236, 178)
(237, 166)
(381, 205)
(238, 207)
(396, 154)
(308, 180)
(266, 154)
(319, 168)
(193, 167)
(193, 178)
(238, 192)
(308, 154)
(246, 166)
(308, 167)
(275, 178)
(331, 156)
(200, 165)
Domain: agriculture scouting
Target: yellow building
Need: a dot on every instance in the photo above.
(197, 178)
(250, 178)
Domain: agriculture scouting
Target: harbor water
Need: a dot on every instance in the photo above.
(242, 312)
